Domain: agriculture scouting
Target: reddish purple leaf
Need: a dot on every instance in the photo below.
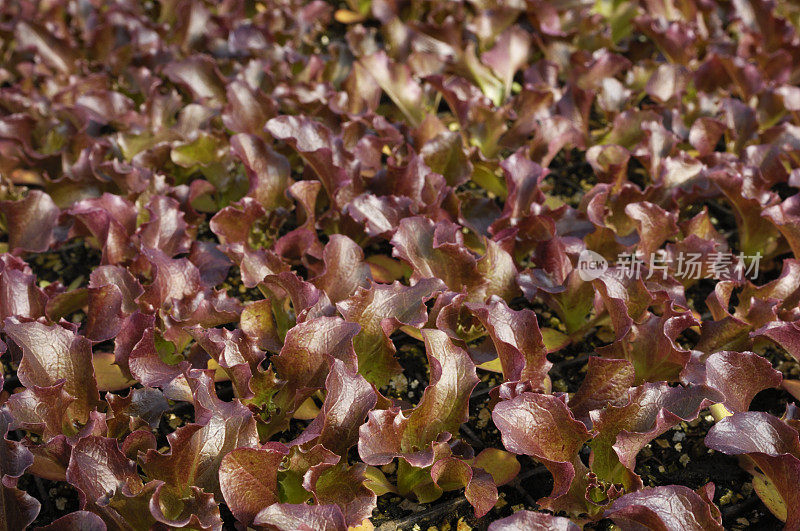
(543, 427)
(52, 354)
(531, 520)
(77, 521)
(248, 479)
(301, 517)
(672, 507)
(345, 270)
(380, 310)
(31, 221)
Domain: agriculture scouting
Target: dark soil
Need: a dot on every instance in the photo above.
(71, 264)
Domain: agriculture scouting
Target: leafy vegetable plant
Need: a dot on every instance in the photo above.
(304, 264)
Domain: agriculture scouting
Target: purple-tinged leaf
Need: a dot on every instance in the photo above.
(626, 300)
(380, 440)
(76, 521)
(153, 360)
(609, 162)
(380, 310)
(671, 507)
(320, 149)
(518, 341)
(705, 134)
(739, 376)
(436, 250)
(301, 517)
(52, 354)
(441, 411)
(131, 333)
(247, 110)
(200, 75)
(258, 323)
(498, 273)
(753, 432)
(348, 400)
(650, 346)
(396, 81)
(787, 335)
(786, 217)
(97, 467)
(166, 229)
(235, 353)
(654, 225)
(445, 155)
(31, 222)
(122, 279)
(197, 449)
(303, 365)
(111, 220)
(269, 172)
(43, 410)
(343, 486)
(302, 360)
(756, 232)
(248, 479)
(543, 427)
(307, 300)
(445, 402)
(195, 510)
(138, 441)
(509, 54)
(211, 261)
(774, 448)
(532, 520)
(622, 431)
(141, 408)
(452, 473)
(51, 458)
(17, 508)
(523, 178)
(234, 223)
(606, 383)
(53, 51)
(19, 294)
(345, 269)
(380, 215)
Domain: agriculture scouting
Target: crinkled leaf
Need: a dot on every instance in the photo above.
(17, 508)
(301, 517)
(671, 507)
(345, 269)
(622, 431)
(543, 427)
(248, 480)
(76, 521)
(436, 250)
(442, 409)
(739, 376)
(774, 448)
(348, 400)
(31, 221)
(380, 310)
(51, 353)
(197, 449)
(517, 339)
(606, 382)
(532, 520)
(479, 488)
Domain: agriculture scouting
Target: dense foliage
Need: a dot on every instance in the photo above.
(269, 198)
